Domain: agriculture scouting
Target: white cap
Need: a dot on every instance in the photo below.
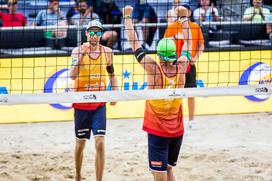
(94, 23)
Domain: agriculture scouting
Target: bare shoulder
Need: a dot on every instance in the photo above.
(107, 50)
(75, 50)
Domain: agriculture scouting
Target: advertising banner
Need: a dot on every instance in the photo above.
(214, 69)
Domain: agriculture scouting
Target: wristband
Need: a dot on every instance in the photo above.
(127, 16)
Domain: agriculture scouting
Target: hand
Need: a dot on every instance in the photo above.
(182, 59)
(127, 10)
(181, 11)
(113, 103)
(183, 62)
(84, 48)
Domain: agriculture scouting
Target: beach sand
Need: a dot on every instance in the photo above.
(221, 147)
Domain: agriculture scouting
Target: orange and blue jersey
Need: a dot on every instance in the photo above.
(164, 117)
(92, 77)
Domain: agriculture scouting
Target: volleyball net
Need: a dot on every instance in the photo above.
(234, 63)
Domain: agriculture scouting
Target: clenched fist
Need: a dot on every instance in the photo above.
(127, 10)
(181, 11)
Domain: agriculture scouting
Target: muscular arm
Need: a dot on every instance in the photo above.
(147, 62)
(112, 77)
(75, 59)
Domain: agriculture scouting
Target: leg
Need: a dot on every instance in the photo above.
(170, 174)
(145, 30)
(158, 155)
(80, 145)
(82, 133)
(110, 37)
(191, 83)
(99, 157)
(159, 176)
(99, 130)
(173, 154)
(191, 108)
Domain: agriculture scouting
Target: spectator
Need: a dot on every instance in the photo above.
(175, 31)
(84, 15)
(52, 17)
(71, 12)
(171, 14)
(12, 18)
(256, 13)
(269, 27)
(109, 13)
(206, 12)
(4, 6)
(144, 13)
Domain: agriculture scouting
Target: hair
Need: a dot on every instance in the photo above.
(53, 1)
(12, 1)
(82, 1)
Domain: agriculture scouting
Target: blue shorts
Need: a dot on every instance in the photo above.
(90, 120)
(162, 152)
(141, 11)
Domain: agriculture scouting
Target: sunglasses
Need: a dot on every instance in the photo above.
(98, 33)
(168, 58)
(10, 4)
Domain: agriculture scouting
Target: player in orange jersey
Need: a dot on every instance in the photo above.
(163, 120)
(91, 63)
(174, 31)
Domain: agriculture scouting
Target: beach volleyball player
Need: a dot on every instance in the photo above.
(91, 63)
(163, 119)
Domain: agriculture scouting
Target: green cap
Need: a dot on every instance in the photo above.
(166, 50)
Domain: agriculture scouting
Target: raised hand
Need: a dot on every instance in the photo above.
(181, 11)
(84, 48)
(127, 10)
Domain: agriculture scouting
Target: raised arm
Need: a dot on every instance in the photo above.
(76, 58)
(146, 61)
(110, 68)
(182, 13)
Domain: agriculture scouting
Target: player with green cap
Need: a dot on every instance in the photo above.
(166, 50)
(163, 119)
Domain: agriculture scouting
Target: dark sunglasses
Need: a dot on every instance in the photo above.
(98, 33)
(10, 4)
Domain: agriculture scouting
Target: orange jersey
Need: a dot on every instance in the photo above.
(92, 77)
(197, 36)
(164, 117)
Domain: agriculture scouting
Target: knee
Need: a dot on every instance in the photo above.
(99, 144)
(169, 169)
(80, 145)
(114, 35)
(145, 20)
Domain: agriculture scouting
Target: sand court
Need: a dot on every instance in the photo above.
(222, 147)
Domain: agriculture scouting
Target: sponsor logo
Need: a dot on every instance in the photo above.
(258, 73)
(89, 97)
(3, 99)
(262, 89)
(82, 130)
(156, 163)
(59, 82)
(175, 94)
